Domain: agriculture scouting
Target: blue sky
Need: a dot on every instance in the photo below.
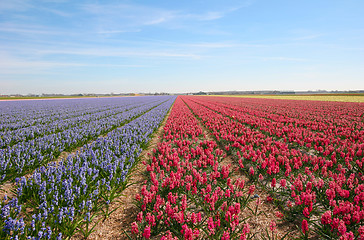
(60, 46)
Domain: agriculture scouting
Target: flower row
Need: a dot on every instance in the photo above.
(62, 199)
(306, 185)
(55, 123)
(190, 193)
(28, 155)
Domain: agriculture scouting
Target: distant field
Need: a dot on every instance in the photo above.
(54, 97)
(335, 98)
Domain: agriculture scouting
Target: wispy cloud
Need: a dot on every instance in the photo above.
(15, 5)
(211, 45)
(108, 17)
(55, 1)
(115, 31)
(14, 65)
(209, 16)
(307, 37)
(212, 15)
(55, 11)
(102, 18)
(26, 5)
(111, 16)
(156, 21)
(115, 52)
(225, 45)
(28, 29)
(289, 59)
(50, 64)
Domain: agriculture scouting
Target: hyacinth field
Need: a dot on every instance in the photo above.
(201, 179)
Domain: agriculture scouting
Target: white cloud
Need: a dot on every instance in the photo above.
(26, 30)
(210, 16)
(116, 31)
(156, 21)
(22, 28)
(55, 11)
(10, 64)
(107, 17)
(224, 45)
(290, 59)
(25, 5)
(308, 37)
(117, 52)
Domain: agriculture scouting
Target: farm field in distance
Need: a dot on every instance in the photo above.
(314, 97)
(223, 167)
